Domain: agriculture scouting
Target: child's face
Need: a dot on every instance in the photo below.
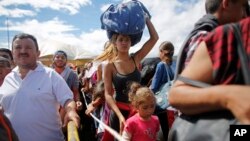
(146, 109)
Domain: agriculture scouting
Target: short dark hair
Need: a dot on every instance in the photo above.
(60, 52)
(7, 51)
(24, 36)
(212, 6)
(4, 62)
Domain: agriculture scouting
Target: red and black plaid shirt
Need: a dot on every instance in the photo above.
(223, 52)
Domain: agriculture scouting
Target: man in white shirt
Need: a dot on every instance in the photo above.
(32, 93)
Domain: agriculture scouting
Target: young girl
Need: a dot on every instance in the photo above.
(97, 106)
(142, 125)
(97, 98)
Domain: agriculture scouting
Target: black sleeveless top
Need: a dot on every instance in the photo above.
(121, 82)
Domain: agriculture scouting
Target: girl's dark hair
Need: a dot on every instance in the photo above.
(98, 90)
(167, 46)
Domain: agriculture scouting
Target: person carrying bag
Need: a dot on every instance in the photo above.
(211, 104)
(161, 83)
(163, 76)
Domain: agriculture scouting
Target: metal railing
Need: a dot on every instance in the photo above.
(110, 130)
(72, 132)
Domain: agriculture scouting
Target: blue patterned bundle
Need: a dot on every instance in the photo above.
(125, 18)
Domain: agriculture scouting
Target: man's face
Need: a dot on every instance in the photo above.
(60, 60)
(25, 53)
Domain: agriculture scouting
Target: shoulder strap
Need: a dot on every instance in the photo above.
(115, 67)
(170, 72)
(65, 74)
(181, 57)
(186, 80)
(134, 61)
(191, 82)
(244, 60)
(167, 70)
(206, 26)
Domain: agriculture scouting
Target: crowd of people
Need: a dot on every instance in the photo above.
(38, 101)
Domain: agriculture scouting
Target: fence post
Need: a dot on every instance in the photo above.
(72, 132)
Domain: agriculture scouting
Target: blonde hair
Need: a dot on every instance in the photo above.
(110, 51)
(139, 95)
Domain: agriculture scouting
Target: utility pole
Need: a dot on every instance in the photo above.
(8, 34)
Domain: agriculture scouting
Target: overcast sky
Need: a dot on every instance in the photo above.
(77, 22)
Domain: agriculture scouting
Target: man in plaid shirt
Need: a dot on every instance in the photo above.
(219, 12)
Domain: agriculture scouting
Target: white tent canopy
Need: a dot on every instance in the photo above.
(74, 52)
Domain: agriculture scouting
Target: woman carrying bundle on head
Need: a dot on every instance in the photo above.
(124, 67)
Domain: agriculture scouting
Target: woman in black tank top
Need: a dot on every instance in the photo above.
(123, 69)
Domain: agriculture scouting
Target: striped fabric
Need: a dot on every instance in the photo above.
(223, 52)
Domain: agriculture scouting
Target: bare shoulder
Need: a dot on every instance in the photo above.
(108, 67)
(99, 67)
